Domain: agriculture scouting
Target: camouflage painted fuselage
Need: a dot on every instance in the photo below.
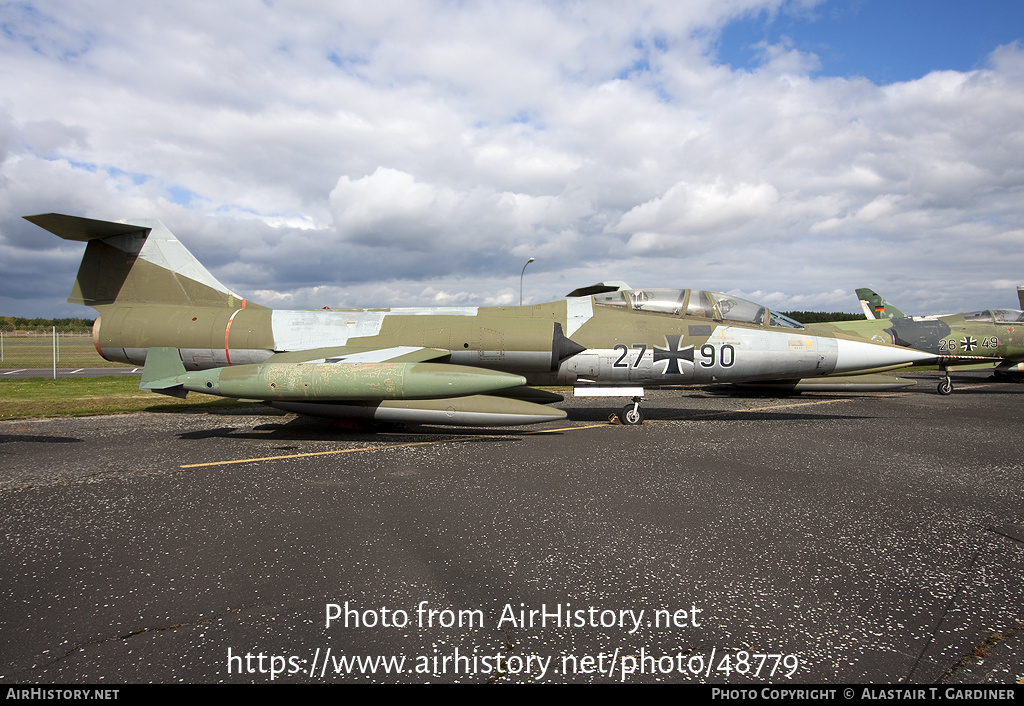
(561, 342)
(959, 339)
(154, 296)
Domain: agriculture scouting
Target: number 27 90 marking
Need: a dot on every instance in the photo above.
(725, 355)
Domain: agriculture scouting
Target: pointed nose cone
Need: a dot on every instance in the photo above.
(863, 355)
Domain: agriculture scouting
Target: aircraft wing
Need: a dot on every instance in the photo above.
(358, 354)
(946, 361)
(869, 382)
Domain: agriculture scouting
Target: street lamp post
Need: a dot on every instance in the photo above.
(521, 281)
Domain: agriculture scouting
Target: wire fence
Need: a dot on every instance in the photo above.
(52, 353)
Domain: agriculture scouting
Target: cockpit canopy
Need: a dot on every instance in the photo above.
(999, 316)
(694, 302)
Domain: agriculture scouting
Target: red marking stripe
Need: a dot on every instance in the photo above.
(227, 332)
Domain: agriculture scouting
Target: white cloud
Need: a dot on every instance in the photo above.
(421, 151)
(710, 209)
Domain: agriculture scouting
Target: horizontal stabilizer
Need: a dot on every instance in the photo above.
(82, 229)
(136, 262)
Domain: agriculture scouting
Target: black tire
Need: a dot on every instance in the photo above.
(631, 415)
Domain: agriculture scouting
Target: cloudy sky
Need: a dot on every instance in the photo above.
(417, 152)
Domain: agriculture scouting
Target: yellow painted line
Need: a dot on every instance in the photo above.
(552, 431)
(786, 406)
(767, 409)
(495, 436)
(377, 448)
(328, 453)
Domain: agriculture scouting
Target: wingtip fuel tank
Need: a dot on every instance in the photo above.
(327, 382)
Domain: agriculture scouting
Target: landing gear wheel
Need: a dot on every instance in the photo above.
(631, 415)
(946, 387)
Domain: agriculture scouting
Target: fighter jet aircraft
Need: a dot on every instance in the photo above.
(995, 336)
(160, 307)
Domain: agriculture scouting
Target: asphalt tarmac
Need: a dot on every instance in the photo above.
(745, 540)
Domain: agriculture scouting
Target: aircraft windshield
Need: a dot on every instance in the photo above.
(999, 316)
(668, 301)
(780, 320)
(709, 305)
(617, 298)
(737, 309)
(1008, 316)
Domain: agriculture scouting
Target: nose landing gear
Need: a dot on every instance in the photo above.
(631, 414)
(946, 386)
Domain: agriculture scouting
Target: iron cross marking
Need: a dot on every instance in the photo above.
(673, 355)
(969, 344)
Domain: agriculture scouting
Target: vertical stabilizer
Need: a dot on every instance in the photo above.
(135, 261)
(875, 307)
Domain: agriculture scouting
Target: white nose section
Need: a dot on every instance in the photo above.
(862, 355)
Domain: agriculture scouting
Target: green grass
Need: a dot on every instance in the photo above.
(36, 351)
(80, 397)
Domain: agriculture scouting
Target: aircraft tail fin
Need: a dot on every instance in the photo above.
(875, 307)
(1020, 295)
(136, 261)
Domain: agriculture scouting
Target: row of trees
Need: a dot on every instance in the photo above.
(820, 317)
(21, 324)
